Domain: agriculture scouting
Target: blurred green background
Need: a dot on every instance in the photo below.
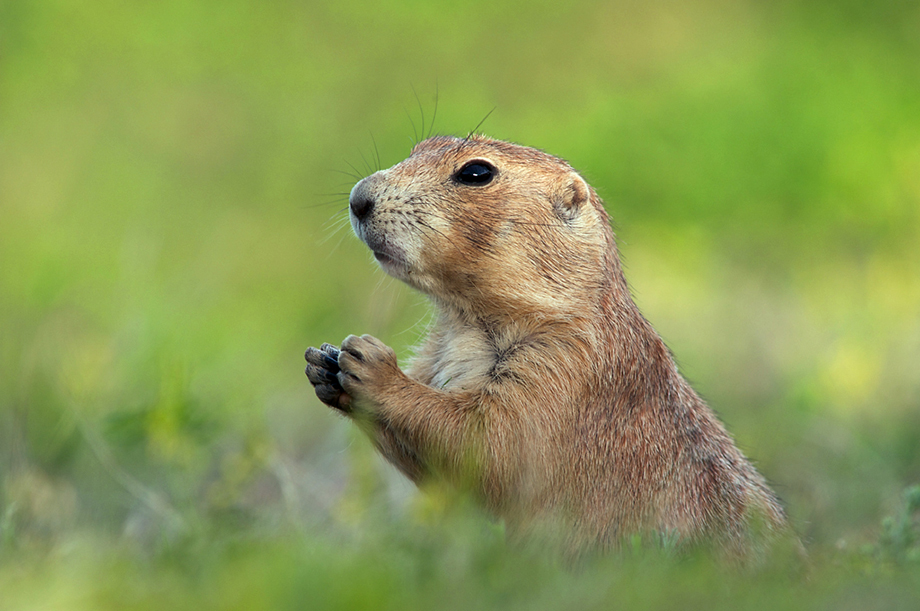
(173, 235)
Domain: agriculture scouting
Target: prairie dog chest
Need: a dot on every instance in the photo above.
(461, 358)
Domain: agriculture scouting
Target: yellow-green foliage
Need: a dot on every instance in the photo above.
(173, 184)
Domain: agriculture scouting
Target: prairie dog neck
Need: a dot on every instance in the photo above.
(463, 352)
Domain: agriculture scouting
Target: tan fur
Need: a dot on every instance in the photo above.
(541, 386)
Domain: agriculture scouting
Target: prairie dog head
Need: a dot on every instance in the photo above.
(483, 224)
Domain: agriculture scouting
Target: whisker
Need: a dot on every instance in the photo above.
(367, 165)
(419, 202)
(349, 174)
(321, 204)
(420, 108)
(337, 222)
(435, 114)
(376, 152)
(478, 125)
(357, 173)
(414, 131)
(426, 322)
(330, 234)
(385, 277)
(429, 213)
(529, 224)
(424, 224)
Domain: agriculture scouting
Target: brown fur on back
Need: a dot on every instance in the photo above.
(541, 386)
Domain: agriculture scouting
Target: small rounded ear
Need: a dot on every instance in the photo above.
(571, 196)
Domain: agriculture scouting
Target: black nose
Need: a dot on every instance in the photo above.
(361, 206)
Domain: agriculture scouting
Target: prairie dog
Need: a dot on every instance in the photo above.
(541, 386)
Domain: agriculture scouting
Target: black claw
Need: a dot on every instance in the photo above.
(318, 375)
(313, 356)
(322, 367)
(332, 364)
(329, 377)
(313, 374)
(330, 357)
(329, 395)
(323, 358)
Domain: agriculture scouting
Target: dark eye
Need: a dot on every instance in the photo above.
(475, 173)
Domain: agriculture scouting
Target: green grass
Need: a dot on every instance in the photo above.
(173, 180)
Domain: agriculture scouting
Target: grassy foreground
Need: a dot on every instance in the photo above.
(173, 179)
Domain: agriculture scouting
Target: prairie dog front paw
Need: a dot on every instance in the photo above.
(366, 365)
